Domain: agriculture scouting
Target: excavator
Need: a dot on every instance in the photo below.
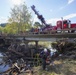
(60, 24)
(46, 27)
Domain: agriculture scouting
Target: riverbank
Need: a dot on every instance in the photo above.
(64, 63)
(61, 67)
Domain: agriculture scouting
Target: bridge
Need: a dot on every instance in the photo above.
(50, 34)
(42, 35)
(39, 37)
(35, 37)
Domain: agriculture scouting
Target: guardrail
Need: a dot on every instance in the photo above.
(53, 31)
(62, 31)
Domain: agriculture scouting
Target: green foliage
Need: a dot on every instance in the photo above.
(37, 25)
(20, 20)
(54, 44)
(1, 29)
(11, 28)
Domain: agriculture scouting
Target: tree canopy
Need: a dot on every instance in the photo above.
(19, 20)
(37, 25)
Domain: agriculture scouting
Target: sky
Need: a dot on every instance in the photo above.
(52, 10)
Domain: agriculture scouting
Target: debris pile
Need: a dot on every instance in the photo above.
(20, 57)
(66, 48)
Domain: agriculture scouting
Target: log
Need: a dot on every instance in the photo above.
(18, 53)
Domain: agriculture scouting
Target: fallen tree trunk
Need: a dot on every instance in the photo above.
(18, 53)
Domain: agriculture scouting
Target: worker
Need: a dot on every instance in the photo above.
(44, 54)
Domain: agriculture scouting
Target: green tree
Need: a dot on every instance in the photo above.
(11, 28)
(1, 29)
(37, 25)
(21, 17)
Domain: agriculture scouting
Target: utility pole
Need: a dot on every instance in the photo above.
(62, 22)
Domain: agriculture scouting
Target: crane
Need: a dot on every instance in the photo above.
(40, 17)
(46, 27)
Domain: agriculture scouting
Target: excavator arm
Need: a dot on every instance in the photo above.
(46, 27)
(40, 17)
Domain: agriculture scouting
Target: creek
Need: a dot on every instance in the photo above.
(3, 66)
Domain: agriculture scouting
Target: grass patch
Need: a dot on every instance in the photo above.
(61, 67)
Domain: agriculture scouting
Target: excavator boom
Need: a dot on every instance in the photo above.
(40, 17)
(46, 27)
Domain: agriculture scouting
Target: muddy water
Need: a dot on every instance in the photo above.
(2, 66)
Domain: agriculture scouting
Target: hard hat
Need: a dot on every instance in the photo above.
(45, 50)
